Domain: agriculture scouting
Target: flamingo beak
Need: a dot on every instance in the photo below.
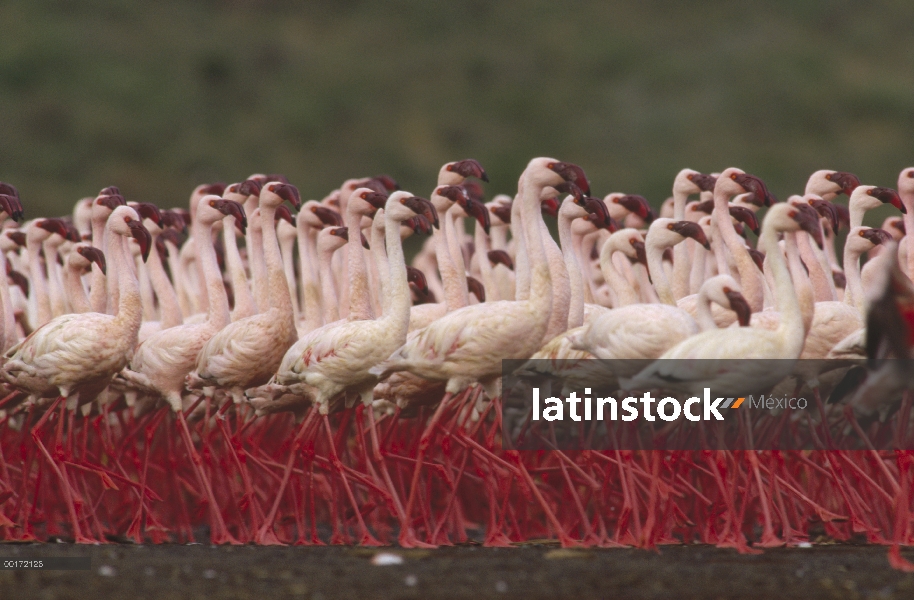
(638, 205)
(250, 187)
(475, 287)
(342, 232)
(469, 168)
(111, 190)
(390, 184)
(758, 257)
(364, 241)
(503, 212)
(500, 257)
(288, 192)
(328, 216)
(704, 182)
(18, 237)
(740, 306)
(417, 278)
(142, 236)
(149, 211)
(376, 199)
(753, 184)
(640, 252)
(827, 210)
(876, 236)
(10, 205)
(599, 214)
(423, 207)
(809, 222)
(692, 230)
(235, 209)
(19, 279)
(478, 211)
(572, 172)
(54, 226)
(95, 255)
(848, 182)
(745, 216)
(888, 196)
(112, 201)
(569, 187)
(550, 207)
(215, 189)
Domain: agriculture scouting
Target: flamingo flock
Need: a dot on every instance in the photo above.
(265, 376)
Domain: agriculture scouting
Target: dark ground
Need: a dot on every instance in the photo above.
(200, 571)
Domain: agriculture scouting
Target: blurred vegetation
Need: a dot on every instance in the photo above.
(156, 97)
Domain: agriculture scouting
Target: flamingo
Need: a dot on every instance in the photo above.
(77, 354)
(247, 352)
(79, 262)
(906, 194)
(37, 232)
(162, 361)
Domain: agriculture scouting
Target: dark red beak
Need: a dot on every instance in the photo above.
(111, 190)
(174, 220)
(235, 209)
(808, 220)
(569, 187)
(758, 257)
(692, 230)
(704, 182)
(419, 224)
(250, 187)
(468, 168)
(888, 196)
(638, 205)
(500, 257)
(827, 210)
(421, 206)
(149, 211)
(475, 287)
(474, 190)
(753, 184)
(550, 207)
(640, 251)
(503, 212)
(94, 255)
(112, 201)
(417, 278)
(288, 192)
(746, 217)
(739, 305)
(328, 216)
(573, 173)
(19, 279)
(283, 212)
(142, 236)
(10, 205)
(341, 232)
(847, 181)
(54, 225)
(876, 236)
(215, 189)
(478, 211)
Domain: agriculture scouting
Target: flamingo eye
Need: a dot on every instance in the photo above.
(733, 176)
(828, 176)
(212, 203)
(727, 290)
(450, 167)
(128, 219)
(860, 234)
(670, 227)
(689, 177)
(792, 214)
(550, 166)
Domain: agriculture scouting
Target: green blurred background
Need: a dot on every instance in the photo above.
(156, 97)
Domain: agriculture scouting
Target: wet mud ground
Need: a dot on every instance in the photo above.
(529, 572)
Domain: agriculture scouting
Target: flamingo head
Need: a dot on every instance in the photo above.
(417, 278)
(284, 214)
(598, 214)
(150, 211)
(845, 181)
(746, 217)
(501, 210)
(174, 220)
(52, 226)
(419, 224)
(93, 255)
(875, 235)
(477, 210)
(688, 229)
(808, 220)
(10, 205)
(570, 172)
(689, 181)
(236, 210)
(461, 169)
(278, 191)
(825, 209)
(17, 237)
(887, 196)
(738, 304)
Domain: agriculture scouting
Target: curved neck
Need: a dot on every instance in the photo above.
(521, 259)
(857, 212)
(76, 293)
(278, 288)
(823, 284)
(455, 283)
(801, 283)
(287, 249)
(853, 292)
(39, 285)
(398, 289)
(310, 297)
(359, 298)
(244, 301)
(258, 268)
(169, 309)
(658, 273)
(98, 288)
(8, 320)
(748, 272)
(218, 312)
(790, 327)
(328, 287)
(129, 314)
(540, 277)
(621, 289)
